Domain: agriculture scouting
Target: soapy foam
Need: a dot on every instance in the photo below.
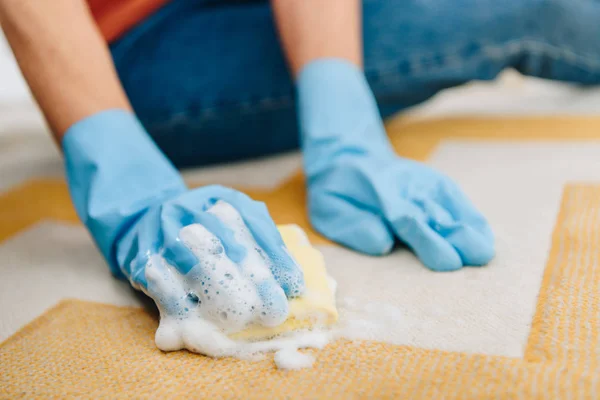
(292, 359)
(255, 268)
(219, 297)
(367, 321)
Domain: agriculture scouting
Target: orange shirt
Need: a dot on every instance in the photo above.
(115, 17)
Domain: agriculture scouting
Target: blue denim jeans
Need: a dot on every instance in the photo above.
(209, 81)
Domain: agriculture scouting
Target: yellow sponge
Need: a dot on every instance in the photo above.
(316, 306)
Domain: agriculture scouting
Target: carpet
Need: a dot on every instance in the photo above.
(525, 326)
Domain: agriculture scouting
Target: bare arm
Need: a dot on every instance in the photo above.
(312, 29)
(63, 58)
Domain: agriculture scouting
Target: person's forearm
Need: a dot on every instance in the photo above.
(63, 58)
(313, 29)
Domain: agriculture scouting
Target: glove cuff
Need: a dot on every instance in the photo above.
(338, 113)
(115, 172)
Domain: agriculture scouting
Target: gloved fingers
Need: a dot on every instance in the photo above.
(257, 267)
(436, 216)
(174, 251)
(255, 217)
(131, 259)
(432, 249)
(227, 266)
(163, 287)
(463, 210)
(178, 253)
(474, 236)
(472, 246)
(232, 293)
(275, 306)
(350, 225)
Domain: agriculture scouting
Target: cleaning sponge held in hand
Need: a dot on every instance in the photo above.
(317, 306)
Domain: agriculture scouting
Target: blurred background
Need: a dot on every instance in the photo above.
(510, 94)
(17, 109)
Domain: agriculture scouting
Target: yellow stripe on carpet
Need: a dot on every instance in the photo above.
(570, 335)
(93, 350)
(40, 199)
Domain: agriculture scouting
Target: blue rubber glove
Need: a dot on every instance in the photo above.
(135, 204)
(362, 195)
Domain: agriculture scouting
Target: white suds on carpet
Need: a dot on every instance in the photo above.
(199, 309)
(291, 358)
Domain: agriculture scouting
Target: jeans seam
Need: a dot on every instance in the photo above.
(415, 62)
(241, 108)
(417, 66)
(587, 62)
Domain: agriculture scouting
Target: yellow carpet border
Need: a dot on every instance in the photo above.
(550, 368)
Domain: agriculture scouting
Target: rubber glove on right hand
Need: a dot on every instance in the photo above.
(210, 253)
(362, 195)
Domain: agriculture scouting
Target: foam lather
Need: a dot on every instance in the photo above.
(316, 306)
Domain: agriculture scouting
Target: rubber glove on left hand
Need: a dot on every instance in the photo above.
(362, 195)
